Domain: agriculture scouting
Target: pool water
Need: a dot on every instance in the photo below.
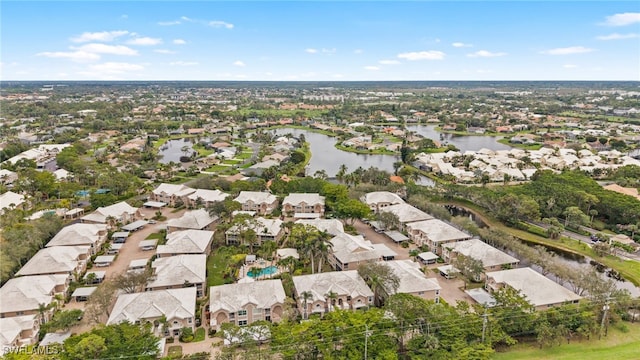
(269, 270)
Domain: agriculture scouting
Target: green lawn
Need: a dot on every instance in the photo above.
(232, 161)
(175, 350)
(617, 345)
(154, 236)
(199, 335)
(217, 263)
(244, 155)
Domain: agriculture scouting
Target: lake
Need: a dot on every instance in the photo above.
(462, 142)
(325, 156)
(172, 150)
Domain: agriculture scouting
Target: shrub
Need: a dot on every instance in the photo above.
(186, 335)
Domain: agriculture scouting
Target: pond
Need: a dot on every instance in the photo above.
(172, 150)
(325, 156)
(462, 142)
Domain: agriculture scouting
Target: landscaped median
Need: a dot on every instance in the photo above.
(629, 269)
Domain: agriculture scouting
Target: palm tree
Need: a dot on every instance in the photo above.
(381, 279)
(331, 298)
(342, 171)
(306, 296)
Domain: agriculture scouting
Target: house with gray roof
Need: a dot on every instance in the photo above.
(177, 306)
(540, 291)
(492, 258)
(244, 303)
(178, 271)
(434, 233)
(300, 204)
(331, 226)
(170, 193)
(348, 252)
(265, 230)
(413, 281)
(258, 201)
(63, 260)
(406, 214)
(186, 242)
(205, 197)
(196, 220)
(18, 331)
(378, 200)
(92, 235)
(121, 212)
(23, 295)
(350, 290)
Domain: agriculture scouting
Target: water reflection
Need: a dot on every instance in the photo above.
(464, 143)
(172, 150)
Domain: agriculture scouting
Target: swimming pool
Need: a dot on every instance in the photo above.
(269, 270)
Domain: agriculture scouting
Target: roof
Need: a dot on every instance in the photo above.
(186, 242)
(151, 305)
(396, 236)
(262, 227)
(349, 248)
(287, 252)
(332, 226)
(438, 231)
(9, 198)
(481, 296)
(377, 197)
(155, 204)
(257, 197)
(307, 198)
(104, 259)
(208, 195)
(426, 256)
(52, 260)
(12, 327)
(479, 250)
(195, 219)
(84, 291)
(120, 234)
(536, 288)
(135, 225)
(407, 213)
(54, 338)
(343, 283)
(78, 234)
(448, 269)
(384, 250)
(116, 210)
(147, 243)
(233, 297)
(176, 270)
(138, 263)
(28, 292)
(173, 189)
(412, 279)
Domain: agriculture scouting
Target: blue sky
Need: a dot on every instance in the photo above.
(331, 40)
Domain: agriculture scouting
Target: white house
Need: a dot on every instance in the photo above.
(331, 226)
(186, 242)
(177, 306)
(178, 271)
(348, 288)
(303, 205)
(92, 235)
(538, 290)
(413, 281)
(406, 214)
(121, 212)
(265, 229)
(381, 199)
(206, 197)
(63, 260)
(24, 295)
(492, 258)
(196, 220)
(11, 200)
(260, 202)
(434, 233)
(244, 303)
(169, 193)
(349, 251)
(18, 331)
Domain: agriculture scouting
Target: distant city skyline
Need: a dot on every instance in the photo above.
(320, 41)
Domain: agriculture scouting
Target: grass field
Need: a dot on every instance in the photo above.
(617, 345)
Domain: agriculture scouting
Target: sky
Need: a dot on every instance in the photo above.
(319, 41)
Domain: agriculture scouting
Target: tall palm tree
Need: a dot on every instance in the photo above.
(306, 296)
(331, 297)
(342, 171)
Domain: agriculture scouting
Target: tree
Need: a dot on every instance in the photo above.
(352, 209)
(342, 171)
(123, 340)
(471, 268)
(306, 296)
(388, 220)
(99, 303)
(132, 281)
(62, 320)
(331, 297)
(573, 215)
(396, 166)
(381, 279)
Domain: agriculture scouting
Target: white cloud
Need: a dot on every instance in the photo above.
(183, 63)
(77, 56)
(329, 51)
(163, 51)
(239, 63)
(389, 62)
(99, 36)
(422, 55)
(116, 67)
(622, 19)
(372, 68)
(358, 51)
(460, 45)
(569, 66)
(311, 50)
(220, 24)
(179, 42)
(485, 53)
(169, 23)
(568, 50)
(616, 36)
(145, 41)
(107, 49)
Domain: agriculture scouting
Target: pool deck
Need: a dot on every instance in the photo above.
(262, 264)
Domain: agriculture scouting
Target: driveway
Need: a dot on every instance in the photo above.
(375, 238)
